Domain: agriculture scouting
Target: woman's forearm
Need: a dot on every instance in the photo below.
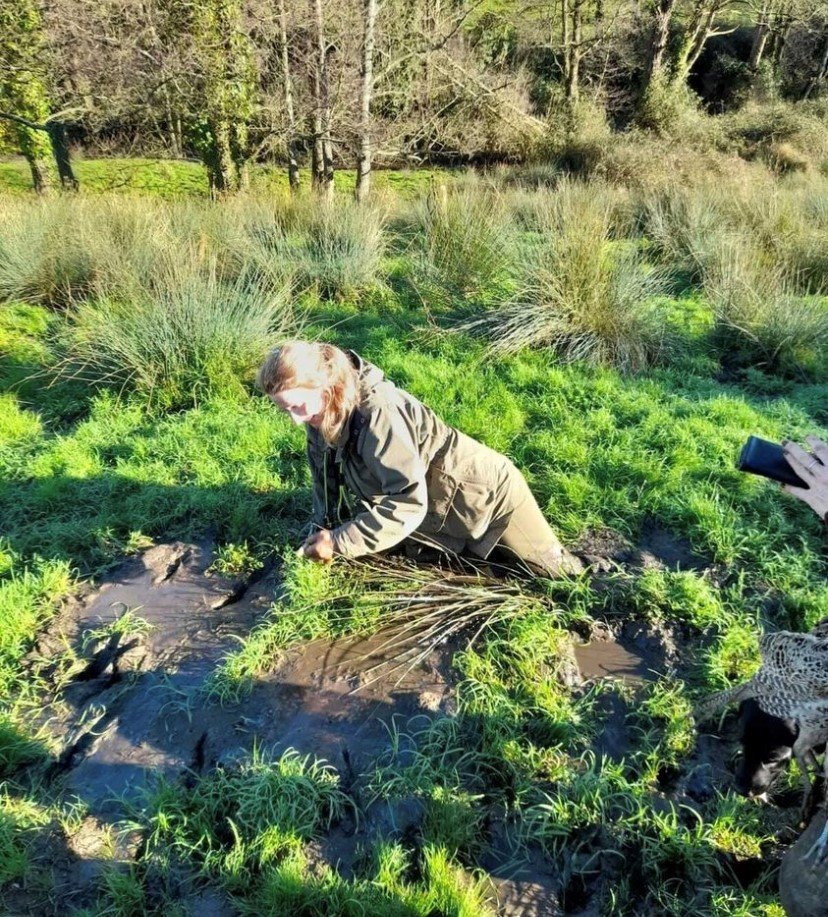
(386, 523)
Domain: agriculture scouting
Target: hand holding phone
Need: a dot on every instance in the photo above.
(812, 467)
(768, 459)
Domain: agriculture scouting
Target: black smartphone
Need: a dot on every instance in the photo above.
(767, 459)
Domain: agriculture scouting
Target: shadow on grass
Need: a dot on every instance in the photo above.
(90, 521)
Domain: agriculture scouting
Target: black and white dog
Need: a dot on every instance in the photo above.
(767, 747)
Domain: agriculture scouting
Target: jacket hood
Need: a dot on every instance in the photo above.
(370, 376)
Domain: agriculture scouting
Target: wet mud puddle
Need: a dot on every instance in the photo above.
(608, 659)
(151, 637)
(633, 657)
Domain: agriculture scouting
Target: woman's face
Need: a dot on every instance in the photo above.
(304, 405)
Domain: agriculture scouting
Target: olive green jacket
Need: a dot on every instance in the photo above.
(412, 475)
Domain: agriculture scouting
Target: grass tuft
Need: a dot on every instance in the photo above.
(196, 338)
(581, 295)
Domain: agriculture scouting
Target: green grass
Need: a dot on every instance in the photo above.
(180, 178)
(236, 821)
(89, 473)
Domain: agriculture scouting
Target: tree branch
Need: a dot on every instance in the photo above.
(24, 121)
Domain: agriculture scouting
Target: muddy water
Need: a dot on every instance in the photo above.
(619, 658)
(138, 708)
(131, 711)
(609, 659)
(336, 699)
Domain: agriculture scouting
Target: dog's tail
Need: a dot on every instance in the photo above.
(716, 702)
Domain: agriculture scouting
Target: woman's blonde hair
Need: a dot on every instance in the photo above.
(301, 364)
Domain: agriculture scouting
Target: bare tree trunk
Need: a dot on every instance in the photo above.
(223, 178)
(574, 53)
(317, 153)
(293, 165)
(327, 141)
(60, 150)
(175, 147)
(41, 179)
(33, 146)
(821, 74)
(322, 159)
(693, 45)
(566, 42)
(760, 36)
(431, 23)
(179, 132)
(174, 132)
(780, 35)
(363, 177)
(663, 13)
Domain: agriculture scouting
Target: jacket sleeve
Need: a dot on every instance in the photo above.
(323, 512)
(391, 455)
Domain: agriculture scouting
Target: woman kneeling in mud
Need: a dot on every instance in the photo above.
(416, 479)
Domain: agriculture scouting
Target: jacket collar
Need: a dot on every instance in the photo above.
(369, 375)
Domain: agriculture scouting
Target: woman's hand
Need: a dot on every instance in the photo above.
(319, 547)
(812, 467)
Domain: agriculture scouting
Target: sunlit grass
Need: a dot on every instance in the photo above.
(88, 475)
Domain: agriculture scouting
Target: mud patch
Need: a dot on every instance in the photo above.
(659, 548)
(336, 699)
(137, 707)
(634, 653)
(133, 706)
(523, 887)
(151, 635)
(608, 659)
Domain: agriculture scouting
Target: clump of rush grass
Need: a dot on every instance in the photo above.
(587, 795)
(195, 337)
(582, 295)
(791, 225)
(733, 657)
(416, 608)
(62, 252)
(517, 681)
(664, 847)
(334, 246)
(387, 890)
(409, 610)
(43, 258)
(19, 819)
(762, 317)
(468, 239)
(680, 595)
(668, 735)
(441, 763)
(238, 819)
(683, 227)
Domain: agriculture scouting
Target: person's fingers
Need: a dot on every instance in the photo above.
(799, 459)
(804, 494)
(819, 448)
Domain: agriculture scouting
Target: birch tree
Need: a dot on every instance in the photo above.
(293, 164)
(363, 177)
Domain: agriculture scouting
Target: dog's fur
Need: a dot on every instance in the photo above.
(767, 747)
